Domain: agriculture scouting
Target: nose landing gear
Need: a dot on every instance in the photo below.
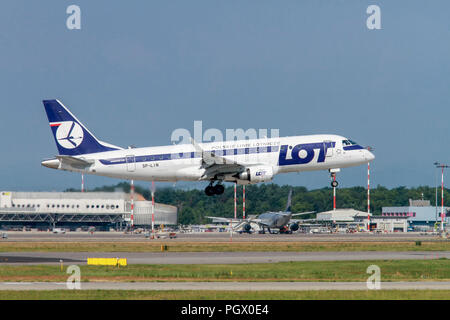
(334, 183)
(333, 172)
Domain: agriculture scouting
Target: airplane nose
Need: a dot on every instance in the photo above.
(369, 155)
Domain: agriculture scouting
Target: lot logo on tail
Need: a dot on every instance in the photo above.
(69, 134)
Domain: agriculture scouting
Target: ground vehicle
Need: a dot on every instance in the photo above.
(163, 235)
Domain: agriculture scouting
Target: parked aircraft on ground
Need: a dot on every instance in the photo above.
(282, 220)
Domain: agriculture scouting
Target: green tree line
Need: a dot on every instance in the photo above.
(193, 205)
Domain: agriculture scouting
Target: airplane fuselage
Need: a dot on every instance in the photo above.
(275, 219)
(184, 162)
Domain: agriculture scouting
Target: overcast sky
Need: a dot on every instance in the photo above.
(137, 70)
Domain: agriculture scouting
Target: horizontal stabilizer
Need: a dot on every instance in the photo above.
(75, 162)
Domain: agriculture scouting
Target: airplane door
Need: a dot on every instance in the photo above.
(131, 163)
(328, 147)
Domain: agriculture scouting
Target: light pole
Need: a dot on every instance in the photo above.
(442, 166)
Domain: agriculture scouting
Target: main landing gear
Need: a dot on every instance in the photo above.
(211, 190)
(263, 231)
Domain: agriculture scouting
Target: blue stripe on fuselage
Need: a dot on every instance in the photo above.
(190, 155)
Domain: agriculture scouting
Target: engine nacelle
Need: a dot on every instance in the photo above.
(247, 227)
(257, 174)
(294, 227)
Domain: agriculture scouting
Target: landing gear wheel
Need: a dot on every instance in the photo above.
(219, 189)
(334, 184)
(209, 190)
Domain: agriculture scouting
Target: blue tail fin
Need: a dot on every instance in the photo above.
(288, 205)
(71, 136)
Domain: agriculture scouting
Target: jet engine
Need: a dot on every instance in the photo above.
(247, 227)
(256, 174)
(294, 227)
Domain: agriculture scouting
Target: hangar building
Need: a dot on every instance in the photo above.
(342, 215)
(80, 209)
(343, 218)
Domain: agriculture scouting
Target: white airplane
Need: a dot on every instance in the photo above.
(242, 162)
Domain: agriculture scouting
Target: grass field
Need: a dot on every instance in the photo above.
(261, 246)
(226, 295)
(391, 270)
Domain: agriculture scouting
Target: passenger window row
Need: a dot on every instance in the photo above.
(68, 206)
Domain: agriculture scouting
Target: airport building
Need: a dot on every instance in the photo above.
(343, 219)
(389, 224)
(357, 220)
(103, 210)
(420, 215)
(342, 215)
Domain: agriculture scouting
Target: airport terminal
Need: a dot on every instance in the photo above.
(80, 210)
(419, 214)
(107, 211)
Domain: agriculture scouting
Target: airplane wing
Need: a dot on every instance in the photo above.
(215, 164)
(238, 222)
(301, 220)
(302, 213)
(243, 222)
(223, 219)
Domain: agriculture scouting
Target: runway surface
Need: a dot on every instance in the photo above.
(18, 236)
(24, 258)
(231, 286)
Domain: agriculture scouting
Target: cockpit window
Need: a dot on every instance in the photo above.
(348, 143)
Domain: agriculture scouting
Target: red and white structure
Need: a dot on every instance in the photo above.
(235, 203)
(153, 209)
(334, 193)
(243, 202)
(132, 203)
(368, 196)
(442, 200)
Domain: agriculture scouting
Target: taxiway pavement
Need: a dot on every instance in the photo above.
(228, 286)
(24, 258)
